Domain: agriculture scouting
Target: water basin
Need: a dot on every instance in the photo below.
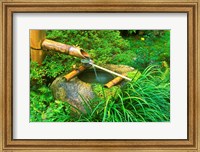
(89, 76)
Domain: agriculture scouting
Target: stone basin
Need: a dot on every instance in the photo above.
(81, 87)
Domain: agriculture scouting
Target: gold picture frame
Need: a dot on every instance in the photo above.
(191, 7)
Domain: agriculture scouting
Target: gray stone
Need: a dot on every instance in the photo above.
(72, 91)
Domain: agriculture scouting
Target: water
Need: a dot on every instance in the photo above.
(109, 71)
(89, 76)
(87, 61)
(95, 71)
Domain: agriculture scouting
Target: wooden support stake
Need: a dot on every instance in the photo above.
(36, 39)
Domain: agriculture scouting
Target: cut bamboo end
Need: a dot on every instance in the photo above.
(36, 38)
(74, 73)
(115, 81)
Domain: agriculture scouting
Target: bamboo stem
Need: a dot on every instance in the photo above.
(36, 39)
(74, 73)
(115, 81)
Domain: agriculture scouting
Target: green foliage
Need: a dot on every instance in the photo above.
(124, 58)
(40, 100)
(149, 96)
(106, 93)
(57, 63)
(152, 49)
(134, 75)
(57, 111)
(146, 98)
(37, 74)
(44, 108)
(143, 100)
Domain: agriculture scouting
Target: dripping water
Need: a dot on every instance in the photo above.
(95, 71)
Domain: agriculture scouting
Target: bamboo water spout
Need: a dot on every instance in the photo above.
(63, 48)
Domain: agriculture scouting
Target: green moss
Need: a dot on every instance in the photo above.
(134, 75)
(106, 93)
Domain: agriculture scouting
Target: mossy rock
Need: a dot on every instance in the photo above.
(77, 92)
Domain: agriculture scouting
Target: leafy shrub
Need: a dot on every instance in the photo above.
(41, 98)
(44, 108)
(152, 50)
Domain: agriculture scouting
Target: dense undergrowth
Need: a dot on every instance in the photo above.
(145, 99)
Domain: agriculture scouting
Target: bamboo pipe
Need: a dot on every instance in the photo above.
(63, 48)
(74, 73)
(114, 81)
(36, 38)
(109, 71)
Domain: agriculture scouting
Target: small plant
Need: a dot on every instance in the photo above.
(40, 98)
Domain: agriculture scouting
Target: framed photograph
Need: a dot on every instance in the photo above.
(99, 75)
